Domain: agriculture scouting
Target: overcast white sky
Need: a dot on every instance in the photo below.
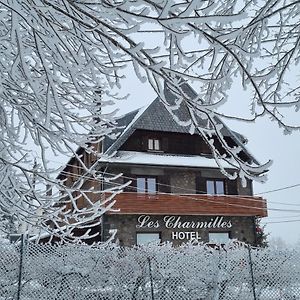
(266, 141)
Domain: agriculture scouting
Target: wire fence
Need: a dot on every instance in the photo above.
(43, 272)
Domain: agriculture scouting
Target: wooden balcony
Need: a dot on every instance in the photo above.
(192, 204)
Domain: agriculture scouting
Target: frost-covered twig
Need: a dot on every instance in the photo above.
(56, 56)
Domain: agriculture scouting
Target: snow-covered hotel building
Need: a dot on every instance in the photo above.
(177, 193)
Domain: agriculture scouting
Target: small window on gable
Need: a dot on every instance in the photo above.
(215, 187)
(154, 144)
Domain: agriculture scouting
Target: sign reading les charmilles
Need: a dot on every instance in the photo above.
(176, 222)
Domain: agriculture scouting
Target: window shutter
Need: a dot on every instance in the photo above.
(144, 143)
(164, 184)
(137, 144)
(165, 144)
(231, 187)
(132, 186)
(201, 185)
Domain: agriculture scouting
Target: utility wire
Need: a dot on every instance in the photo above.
(213, 201)
(194, 191)
(177, 187)
(279, 222)
(204, 192)
(283, 217)
(279, 189)
(77, 176)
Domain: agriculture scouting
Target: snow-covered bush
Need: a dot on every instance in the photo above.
(192, 271)
(63, 59)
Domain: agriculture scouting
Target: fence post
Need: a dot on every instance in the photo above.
(21, 267)
(252, 273)
(151, 279)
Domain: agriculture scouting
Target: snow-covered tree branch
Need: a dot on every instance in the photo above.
(56, 57)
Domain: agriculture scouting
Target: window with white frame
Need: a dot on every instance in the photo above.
(143, 238)
(215, 187)
(146, 185)
(154, 144)
(218, 237)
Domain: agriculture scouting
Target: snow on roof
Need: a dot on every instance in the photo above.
(128, 128)
(156, 117)
(161, 159)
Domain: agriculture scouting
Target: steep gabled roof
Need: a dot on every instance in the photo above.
(123, 123)
(156, 117)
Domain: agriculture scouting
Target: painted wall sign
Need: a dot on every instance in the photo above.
(185, 235)
(184, 229)
(175, 222)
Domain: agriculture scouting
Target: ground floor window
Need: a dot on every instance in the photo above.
(143, 238)
(218, 237)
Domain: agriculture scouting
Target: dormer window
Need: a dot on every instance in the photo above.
(154, 144)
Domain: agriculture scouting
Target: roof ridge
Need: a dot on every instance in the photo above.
(128, 113)
(140, 112)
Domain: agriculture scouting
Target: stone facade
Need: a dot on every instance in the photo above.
(183, 182)
(178, 229)
(178, 177)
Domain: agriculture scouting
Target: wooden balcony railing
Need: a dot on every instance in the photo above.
(192, 204)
